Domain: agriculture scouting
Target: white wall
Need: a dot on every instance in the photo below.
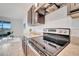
(17, 25)
(75, 32)
(14, 10)
(75, 27)
(58, 19)
(60, 23)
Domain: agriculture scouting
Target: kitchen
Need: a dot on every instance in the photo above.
(48, 29)
(57, 18)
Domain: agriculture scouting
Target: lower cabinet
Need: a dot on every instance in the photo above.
(30, 52)
(24, 46)
(27, 49)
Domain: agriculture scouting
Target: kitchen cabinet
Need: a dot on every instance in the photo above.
(24, 46)
(37, 12)
(29, 18)
(41, 19)
(30, 51)
(74, 6)
(35, 18)
(73, 10)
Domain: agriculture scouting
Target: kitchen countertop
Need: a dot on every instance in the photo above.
(33, 34)
(72, 49)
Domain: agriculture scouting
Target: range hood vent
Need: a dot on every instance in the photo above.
(48, 8)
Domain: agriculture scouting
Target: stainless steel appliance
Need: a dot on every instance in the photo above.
(57, 38)
(53, 41)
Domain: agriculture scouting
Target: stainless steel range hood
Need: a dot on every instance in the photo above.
(47, 8)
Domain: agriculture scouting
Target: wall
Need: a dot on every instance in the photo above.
(17, 25)
(75, 27)
(14, 10)
(58, 19)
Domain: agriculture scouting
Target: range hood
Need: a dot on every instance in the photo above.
(47, 8)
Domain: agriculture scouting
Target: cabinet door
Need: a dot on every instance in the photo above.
(24, 46)
(74, 6)
(33, 15)
(29, 16)
(41, 19)
(30, 52)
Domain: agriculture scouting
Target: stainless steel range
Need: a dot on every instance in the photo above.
(53, 41)
(56, 38)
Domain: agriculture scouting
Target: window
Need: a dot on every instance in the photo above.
(0, 24)
(5, 25)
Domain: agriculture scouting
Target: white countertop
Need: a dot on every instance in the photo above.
(72, 49)
(31, 35)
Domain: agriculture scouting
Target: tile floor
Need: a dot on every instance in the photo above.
(12, 48)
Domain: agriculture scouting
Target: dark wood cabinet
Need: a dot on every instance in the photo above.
(35, 17)
(24, 46)
(73, 10)
(27, 49)
(30, 51)
(29, 17)
(41, 19)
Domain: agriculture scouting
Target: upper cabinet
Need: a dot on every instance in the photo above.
(73, 10)
(29, 16)
(47, 8)
(74, 6)
(38, 11)
(35, 18)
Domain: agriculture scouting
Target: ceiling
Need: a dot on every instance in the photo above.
(14, 10)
